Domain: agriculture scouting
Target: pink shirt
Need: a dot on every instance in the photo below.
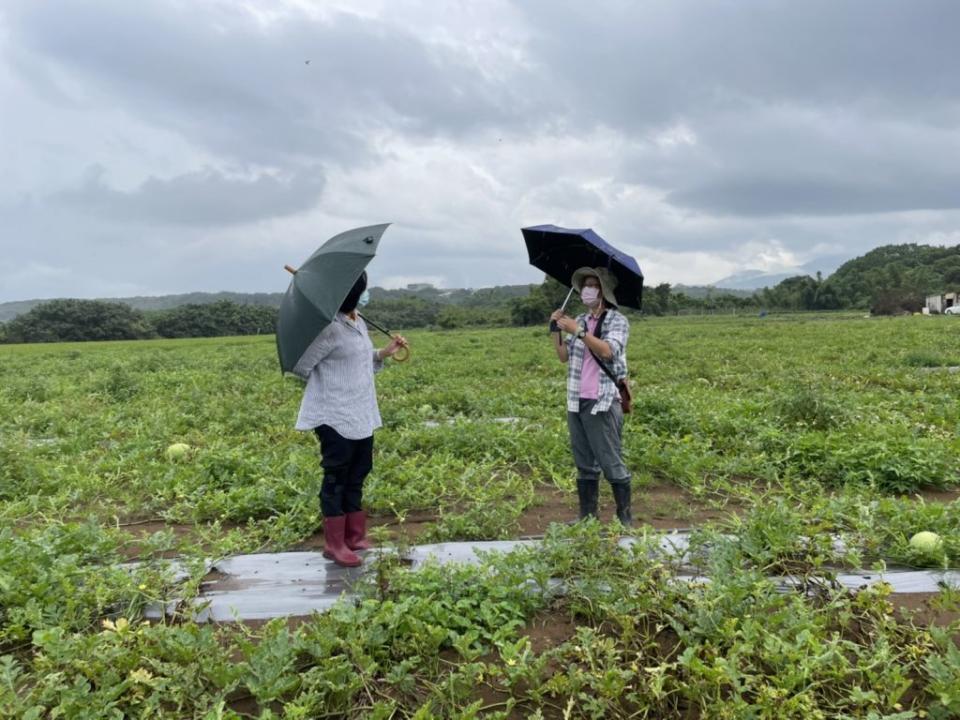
(590, 374)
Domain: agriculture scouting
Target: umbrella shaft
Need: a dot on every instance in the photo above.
(371, 322)
(553, 323)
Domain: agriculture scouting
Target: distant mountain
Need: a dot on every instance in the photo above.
(702, 291)
(757, 279)
(459, 296)
(9, 310)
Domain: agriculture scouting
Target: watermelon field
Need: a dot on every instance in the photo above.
(800, 445)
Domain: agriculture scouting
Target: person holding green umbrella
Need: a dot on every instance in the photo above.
(340, 407)
(322, 339)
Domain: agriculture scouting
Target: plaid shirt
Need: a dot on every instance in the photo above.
(615, 332)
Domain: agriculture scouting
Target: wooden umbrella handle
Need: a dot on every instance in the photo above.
(291, 270)
(405, 351)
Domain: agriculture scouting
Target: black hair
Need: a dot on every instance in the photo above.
(353, 297)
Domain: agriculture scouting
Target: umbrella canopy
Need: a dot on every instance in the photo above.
(319, 287)
(559, 251)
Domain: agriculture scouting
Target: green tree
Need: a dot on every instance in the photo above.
(405, 312)
(661, 293)
(795, 293)
(452, 316)
(536, 308)
(216, 320)
(827, 298)
(78, 320)
(886, 273)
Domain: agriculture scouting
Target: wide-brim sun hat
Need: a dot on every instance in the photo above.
(608, 282)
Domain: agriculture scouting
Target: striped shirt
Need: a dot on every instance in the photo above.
(339, 366)
(616, 332)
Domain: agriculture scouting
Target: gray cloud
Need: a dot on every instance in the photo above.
(776, 195)
(805, 162)
(808, 108)
(640, 63)
(706, 137)
(200, 198)
(220, 78)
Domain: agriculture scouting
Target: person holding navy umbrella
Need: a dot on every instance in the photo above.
(595, 351)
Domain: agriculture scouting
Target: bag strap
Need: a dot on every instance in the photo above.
(596, 333)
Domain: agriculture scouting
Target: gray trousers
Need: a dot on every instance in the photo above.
(596, 442)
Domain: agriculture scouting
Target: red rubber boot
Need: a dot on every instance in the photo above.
(334, 547)
(355, 535)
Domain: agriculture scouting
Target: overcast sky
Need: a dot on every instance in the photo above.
(164, 146)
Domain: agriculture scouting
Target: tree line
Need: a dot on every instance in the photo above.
(81, 320)
(888, 280)
(72, 320)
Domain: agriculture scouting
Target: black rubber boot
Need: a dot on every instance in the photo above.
(588, 492)
(621, 496)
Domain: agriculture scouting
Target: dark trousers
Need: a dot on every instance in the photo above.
(596, 441)
(345, 465)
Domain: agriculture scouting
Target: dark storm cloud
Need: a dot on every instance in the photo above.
(777, 195)
(731, 70)
(638, 63)
(199, 198)
(803, 161)
(248, 92)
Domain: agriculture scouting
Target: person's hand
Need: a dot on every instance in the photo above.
(567, 323)
(398, 341)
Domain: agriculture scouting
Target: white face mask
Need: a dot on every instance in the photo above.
(590, 296)
(364, 299)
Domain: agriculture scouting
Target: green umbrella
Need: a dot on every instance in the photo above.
(319, 287)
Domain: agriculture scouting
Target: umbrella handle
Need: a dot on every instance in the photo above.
(396, 355)
(553, 323)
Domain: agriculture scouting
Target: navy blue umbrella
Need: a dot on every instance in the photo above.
(559, 251)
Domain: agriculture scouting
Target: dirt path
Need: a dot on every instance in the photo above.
(923, 609)
(663, 507)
